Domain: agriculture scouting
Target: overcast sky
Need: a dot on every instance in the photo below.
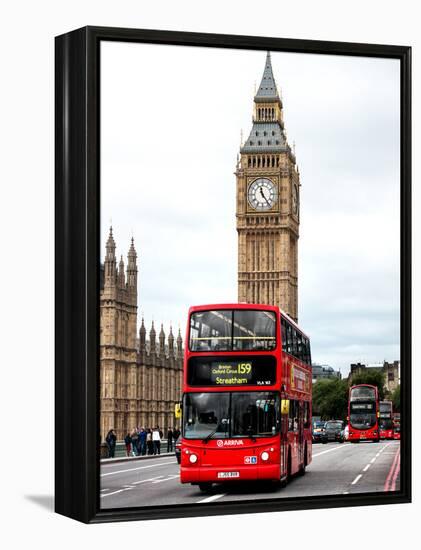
(171, 119)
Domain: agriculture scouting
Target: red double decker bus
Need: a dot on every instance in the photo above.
(363, 413)
(246, 396)
(386, 420)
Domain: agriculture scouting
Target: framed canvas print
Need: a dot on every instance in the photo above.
(233, 311)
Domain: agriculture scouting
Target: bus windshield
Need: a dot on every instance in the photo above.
(386, 423)
(363, 415)
(232, 330)
(226, 415)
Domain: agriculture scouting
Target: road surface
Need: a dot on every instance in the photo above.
(336, 469)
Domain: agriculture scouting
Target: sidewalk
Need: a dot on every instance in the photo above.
(129, 458)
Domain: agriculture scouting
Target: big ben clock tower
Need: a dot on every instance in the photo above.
(268, 204)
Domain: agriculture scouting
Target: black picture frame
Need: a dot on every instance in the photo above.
(77, 248)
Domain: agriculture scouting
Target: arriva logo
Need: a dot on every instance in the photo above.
(229, 442)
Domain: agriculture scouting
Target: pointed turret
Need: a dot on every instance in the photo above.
(179, 344)
(132, 268)
(121, 276)
(171, 342)
(110, 270)
(142, 336)
(162, 341)
(152, 339)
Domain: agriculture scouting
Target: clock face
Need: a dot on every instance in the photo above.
(262, 194)
(295, 200)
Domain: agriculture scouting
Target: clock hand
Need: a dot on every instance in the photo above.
(264, 196)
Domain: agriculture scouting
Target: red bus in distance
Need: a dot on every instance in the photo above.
(396, 425)
(246, 410)
(386, 420)
(363, 413)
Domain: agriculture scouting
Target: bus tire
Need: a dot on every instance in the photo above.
(205, 487)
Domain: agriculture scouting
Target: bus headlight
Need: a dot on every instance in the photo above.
(264, 456)
(193, 458)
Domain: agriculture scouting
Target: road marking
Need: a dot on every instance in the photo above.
(390, 475)
(334, 449)
(115, 492)
(139, 468)
(395, 475)
(169, 478)
(357, 479)
(373, 460)
(102, 490)
(346, 493)
(145, 480)
(210, 499)
(366, 468)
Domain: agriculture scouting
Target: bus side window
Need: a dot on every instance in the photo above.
(306, 414)
(305, 351)
(289, 337)
(294, 343)
(300, 354)
(283, 335)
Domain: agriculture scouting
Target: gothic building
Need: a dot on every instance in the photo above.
(140, 377)
(268, 189)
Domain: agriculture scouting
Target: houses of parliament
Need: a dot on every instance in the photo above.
(141, 378)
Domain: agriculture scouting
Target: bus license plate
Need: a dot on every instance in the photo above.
(228, 474)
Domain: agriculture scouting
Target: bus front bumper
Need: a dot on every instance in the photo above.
(212, 474)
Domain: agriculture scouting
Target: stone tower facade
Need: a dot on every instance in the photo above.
(140, 378)
(268, 206)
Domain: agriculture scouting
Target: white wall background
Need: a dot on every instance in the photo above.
(27, 276)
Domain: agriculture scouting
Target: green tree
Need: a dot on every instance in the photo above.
(396, 399)
(373, 377)
(330, 399)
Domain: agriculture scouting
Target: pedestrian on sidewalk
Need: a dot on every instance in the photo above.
(156, 438)
(169, 440)
(128, 443)
(176, 434)
(111, 442)
(149, 442)
(142, 440)
(134, 442)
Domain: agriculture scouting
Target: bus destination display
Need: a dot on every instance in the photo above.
(251, 371)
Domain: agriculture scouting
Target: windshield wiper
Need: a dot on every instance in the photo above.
(209, 436)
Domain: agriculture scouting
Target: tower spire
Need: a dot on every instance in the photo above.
(132, 270)
(267, 88)
(110, 269)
